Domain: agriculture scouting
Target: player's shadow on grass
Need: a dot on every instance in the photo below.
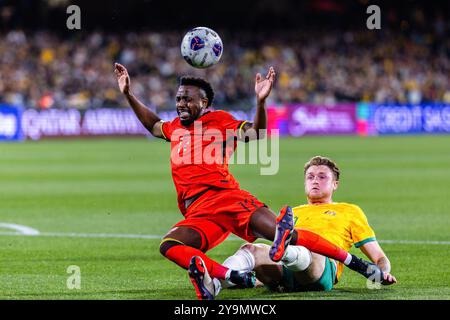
(170, 294)
(337, 293)
(127, 294)
(363, 291)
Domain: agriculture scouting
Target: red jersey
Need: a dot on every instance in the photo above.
(200, 152)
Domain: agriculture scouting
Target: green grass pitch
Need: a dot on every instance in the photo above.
(124, 186)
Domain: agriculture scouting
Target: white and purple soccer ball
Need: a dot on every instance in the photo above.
(201, 47)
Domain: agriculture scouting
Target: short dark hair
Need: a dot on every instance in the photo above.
(323, 161)
(199, 83)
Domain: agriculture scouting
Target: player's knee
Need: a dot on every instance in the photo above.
(166, 245)
(258, 250)
(252, 248)
(317, 266)
(248, 246)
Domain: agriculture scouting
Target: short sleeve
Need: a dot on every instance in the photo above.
(166, 129)
(361, 231)
(228, 122)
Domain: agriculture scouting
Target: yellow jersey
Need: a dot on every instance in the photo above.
(343, 224)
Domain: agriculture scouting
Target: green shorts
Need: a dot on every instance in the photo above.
(325, 283)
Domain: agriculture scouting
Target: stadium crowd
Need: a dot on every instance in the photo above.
(43, 70)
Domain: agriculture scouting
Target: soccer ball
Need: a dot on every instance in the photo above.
(201, 47)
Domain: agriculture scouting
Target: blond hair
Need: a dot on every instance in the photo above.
(323, 161)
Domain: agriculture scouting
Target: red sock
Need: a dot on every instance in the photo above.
(181, 255)
(317, 244)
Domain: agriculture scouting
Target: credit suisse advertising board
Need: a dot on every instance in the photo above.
(296, 120)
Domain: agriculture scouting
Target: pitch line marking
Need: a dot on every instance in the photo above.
(20, 230)
(414, 242)
(26, 231)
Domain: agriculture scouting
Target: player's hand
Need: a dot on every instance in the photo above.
(263, 86)
(123, 79)
(388, 279)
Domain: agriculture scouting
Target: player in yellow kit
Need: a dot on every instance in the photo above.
(287, 267)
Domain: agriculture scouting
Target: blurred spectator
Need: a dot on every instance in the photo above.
(41, 70)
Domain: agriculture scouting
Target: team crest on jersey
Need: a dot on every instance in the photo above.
(329, 212)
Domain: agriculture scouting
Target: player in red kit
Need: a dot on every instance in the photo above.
(209, 197)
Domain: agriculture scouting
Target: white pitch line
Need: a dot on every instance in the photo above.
(85, 235)
(154, 236)
(24, 230)
(414, 242)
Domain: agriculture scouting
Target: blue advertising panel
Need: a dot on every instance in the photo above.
(408, 119)
(10, 123)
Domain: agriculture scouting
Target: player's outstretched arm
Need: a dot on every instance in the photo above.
(148, 118)
(263, 87)
(374, 252)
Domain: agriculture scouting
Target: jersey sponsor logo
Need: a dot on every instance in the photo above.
(330, 213)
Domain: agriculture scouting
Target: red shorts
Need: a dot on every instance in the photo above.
(216, 213)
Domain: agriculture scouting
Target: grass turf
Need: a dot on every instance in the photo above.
(124, 186)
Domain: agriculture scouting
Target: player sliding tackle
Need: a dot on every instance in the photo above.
(292, 267)
(209, 197)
